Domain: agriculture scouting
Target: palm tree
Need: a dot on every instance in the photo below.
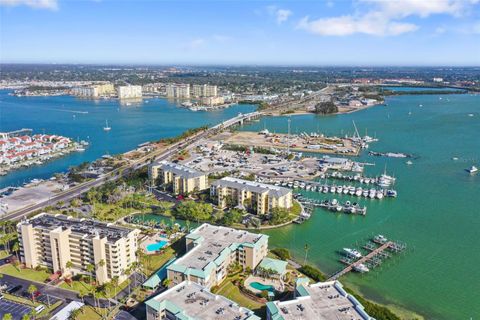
(115, 284)
(26, 317)
(69, 266)
(7, 316)
(187, 224)
(31, 290)
(74, 314)
(90, 270)
(16, 248)
(166, 283)
(306, 248)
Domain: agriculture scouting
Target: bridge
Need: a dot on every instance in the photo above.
(372, 254)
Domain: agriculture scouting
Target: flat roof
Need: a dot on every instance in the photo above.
(323, 300)
(178, 169)
(189, 300)
(213, 243)
(252, 186)
(89, 227)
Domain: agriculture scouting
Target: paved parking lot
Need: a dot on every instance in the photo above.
(15, 309)
(124, 315)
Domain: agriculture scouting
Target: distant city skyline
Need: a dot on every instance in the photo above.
(350, 32)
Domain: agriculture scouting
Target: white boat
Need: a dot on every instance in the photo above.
(360, 268)
(380, 238)
(352, 253)
(379, 194)
(106, 128)
(409, 162)
(472, 169)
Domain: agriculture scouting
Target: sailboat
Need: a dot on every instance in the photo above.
(106, 128)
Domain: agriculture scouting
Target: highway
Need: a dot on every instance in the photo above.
(124, 170)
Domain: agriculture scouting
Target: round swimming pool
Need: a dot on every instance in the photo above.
(262, 287)
(156, 246)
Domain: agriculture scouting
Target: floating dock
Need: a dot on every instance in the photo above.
(335, 206)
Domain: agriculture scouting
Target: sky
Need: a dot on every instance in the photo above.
(248, 32)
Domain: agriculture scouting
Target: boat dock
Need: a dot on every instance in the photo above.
(378, 251)
(335, 206)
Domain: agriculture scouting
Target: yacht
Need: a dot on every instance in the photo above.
(380, 238)
(106, 128)
(360, 268)
(379, 194)
(358, 192)
(352, 253)
(472, 169)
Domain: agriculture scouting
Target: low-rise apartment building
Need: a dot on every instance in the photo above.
(183, 179)
(53, 241)
(189, 300)
(322, 300)
(94, 91)
(259, 197)
(211, 249)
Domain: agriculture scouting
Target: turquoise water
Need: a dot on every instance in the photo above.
(131, 125)
(420, 89)
(156, 246)
(436, 212)
(261, 286)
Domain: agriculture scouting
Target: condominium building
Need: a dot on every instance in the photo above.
(259, 197)
(53, 241)
(94, 91)
(211, 249)
(212, 101)
(129, 92)
(204, 90)
(189, 300)
(178, 91)
(323, 300)
(183, 179)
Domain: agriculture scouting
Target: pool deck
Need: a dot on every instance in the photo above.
(153, 240)
(273, 282)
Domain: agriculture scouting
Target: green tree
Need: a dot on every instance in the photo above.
(74, 314)
(278, 215)
(326, 107)
(31, 290)
(7, 316)
(90, 270)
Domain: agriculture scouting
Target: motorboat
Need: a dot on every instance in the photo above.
(352, 253)
(472, 169)
(380, 238)
(360, 268)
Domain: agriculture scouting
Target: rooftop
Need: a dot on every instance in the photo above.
(189, 300)
(212, 245)
(323, 300)
(279, 266)
(252, 186)
(178, 169)
(88, 227)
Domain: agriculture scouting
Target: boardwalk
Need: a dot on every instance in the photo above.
(364, 259)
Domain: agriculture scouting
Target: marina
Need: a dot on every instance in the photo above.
(335, 206)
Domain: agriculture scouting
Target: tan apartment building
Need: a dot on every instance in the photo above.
(129, 92)
(178, 91)
(211, 249)
(251, 195)
(183, 179)
(94, 91)
(204, 90)
(53, 241)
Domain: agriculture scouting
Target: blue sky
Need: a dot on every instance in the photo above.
(345, 32)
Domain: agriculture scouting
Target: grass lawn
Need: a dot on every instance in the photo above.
(91, 313)
(153, 262)
(29, 274)
(232, 292)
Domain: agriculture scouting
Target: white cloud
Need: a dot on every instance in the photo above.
(384, 17)
(281, 15)
(195, 43)
(40, 4)
(348, 25)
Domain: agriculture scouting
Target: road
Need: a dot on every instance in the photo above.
(124, 170)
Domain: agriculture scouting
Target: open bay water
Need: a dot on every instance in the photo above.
(437, 211)
(131, 125)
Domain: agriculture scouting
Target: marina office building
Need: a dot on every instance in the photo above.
(183, 179)
(189, 300)
(321, 301)
(211, 249)
(260, 197)
(52, 241)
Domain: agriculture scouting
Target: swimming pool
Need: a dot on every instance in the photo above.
(262, 287)
(156, 246)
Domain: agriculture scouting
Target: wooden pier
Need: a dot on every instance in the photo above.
(371, 255)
